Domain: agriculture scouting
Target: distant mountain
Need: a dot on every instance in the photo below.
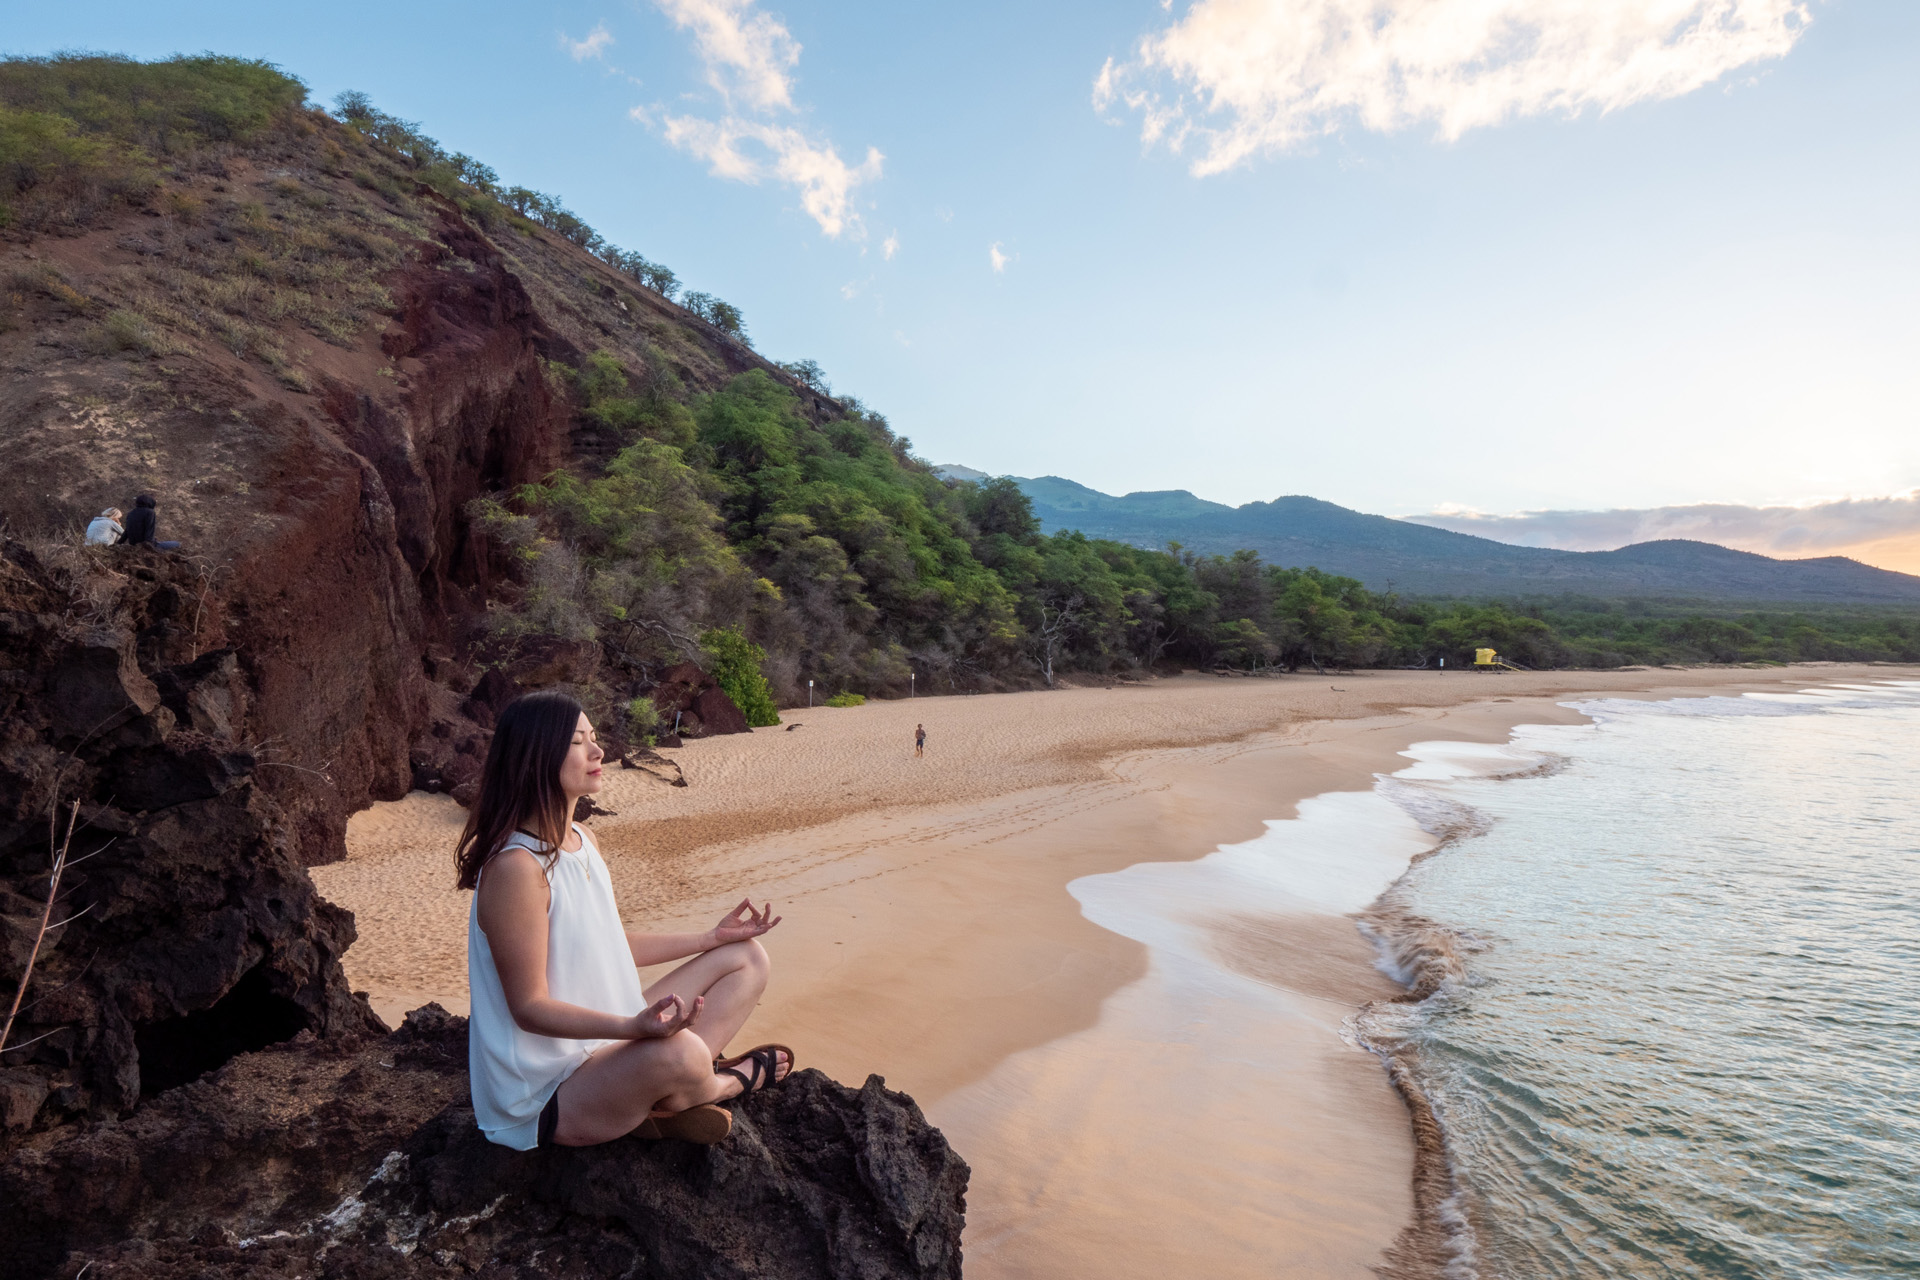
(1417, 560)
(1066, 498)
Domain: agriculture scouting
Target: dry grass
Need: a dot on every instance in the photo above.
(243, 264)
(86, 576)
(244, 271)
(128, 331)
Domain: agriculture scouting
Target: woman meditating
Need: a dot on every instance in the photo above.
(563, 1047)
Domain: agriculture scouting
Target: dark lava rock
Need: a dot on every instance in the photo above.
(541, 662)
(490, 696)
(718, 713)
(286, 1163)
(192, 931)
(207, 694)
(695, 700)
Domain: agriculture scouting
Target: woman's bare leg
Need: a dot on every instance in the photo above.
(615, 1089)
(612, 1092)
(731, 978)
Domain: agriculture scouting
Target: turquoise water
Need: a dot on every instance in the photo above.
(1679, 1029)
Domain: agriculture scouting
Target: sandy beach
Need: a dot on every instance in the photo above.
(1184, 1105)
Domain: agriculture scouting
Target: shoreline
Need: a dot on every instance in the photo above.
(1431, 959)
(932, 939)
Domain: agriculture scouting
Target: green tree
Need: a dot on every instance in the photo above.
(736, 663)
(809, 373)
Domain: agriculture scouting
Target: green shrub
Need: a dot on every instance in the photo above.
(736, 668)
(643, 720)
(847, 700)
(128, 331)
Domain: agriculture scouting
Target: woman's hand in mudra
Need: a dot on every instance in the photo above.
(743, 922)
(665, 1018)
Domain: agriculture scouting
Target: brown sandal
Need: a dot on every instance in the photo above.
(763, 1062)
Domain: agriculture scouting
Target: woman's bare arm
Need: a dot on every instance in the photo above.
(738, 925)
(513, 915)
(659, 948)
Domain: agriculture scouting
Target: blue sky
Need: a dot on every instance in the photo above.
(1461, 284)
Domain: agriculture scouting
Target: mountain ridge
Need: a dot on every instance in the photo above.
(1421, 560)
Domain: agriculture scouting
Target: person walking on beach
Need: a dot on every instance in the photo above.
(562, 1047)
(104, 529)
(919, 740)
(143, 525)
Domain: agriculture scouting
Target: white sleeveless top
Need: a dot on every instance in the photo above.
(514, 1072)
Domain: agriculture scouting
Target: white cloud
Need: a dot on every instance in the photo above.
(594, 46)
(890, 246)
(997, 258)
(1818, 528)
(748, 54)
(748, 151)
(1238, 78)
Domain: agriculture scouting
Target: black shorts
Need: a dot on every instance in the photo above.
(549, 1121)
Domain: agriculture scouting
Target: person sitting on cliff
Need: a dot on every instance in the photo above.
(105, 529)
(143, 525)
(563, 1048)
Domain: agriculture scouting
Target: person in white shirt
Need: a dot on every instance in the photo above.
(562, 1046)
(104, 529)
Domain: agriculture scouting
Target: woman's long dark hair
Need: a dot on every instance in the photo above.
(520, 785)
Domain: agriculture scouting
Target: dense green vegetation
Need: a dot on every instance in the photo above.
(1608, 632)
(852, 564)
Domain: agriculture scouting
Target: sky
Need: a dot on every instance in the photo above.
(1477, 258)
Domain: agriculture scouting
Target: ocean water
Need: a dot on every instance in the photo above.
(1674, 1021)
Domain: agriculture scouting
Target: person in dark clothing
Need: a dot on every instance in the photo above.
(143, 522)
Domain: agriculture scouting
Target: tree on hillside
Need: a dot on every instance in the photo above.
(809, 373)
(723, 316)
(997, 507)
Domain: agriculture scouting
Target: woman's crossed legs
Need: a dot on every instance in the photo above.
(613, 1091)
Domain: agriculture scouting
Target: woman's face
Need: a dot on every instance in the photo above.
(580, 772)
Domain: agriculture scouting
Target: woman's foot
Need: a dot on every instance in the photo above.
(757, 1068)
(703, 1125)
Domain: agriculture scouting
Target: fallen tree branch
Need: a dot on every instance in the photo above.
(36, 1040)
(53, 895)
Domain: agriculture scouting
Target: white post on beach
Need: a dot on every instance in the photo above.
(910, 686)
(809, 695)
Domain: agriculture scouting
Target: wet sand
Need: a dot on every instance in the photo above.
(1127, 1110)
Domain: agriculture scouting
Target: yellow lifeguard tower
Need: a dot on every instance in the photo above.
(1488, 660)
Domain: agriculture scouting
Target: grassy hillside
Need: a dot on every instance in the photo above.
(187, 241)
